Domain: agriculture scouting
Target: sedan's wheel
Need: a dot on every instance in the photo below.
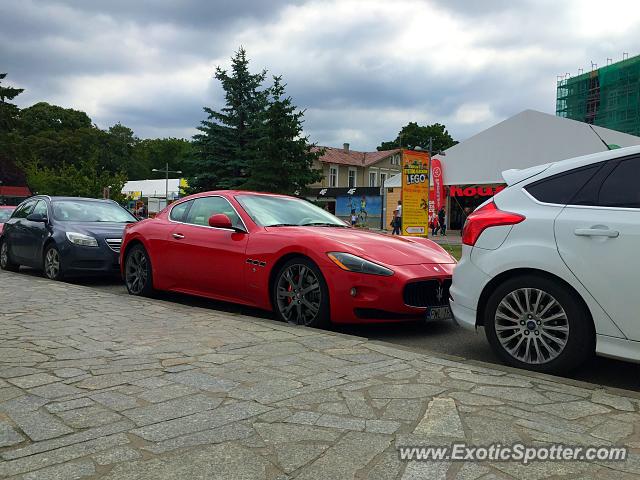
(533, 322)
(137, 272)
(52, 263)
(300, 294)
(5, 261)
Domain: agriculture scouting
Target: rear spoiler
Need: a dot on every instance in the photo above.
(514, 175)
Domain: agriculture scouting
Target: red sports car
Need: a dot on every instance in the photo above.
(285, 254)
(5, 213)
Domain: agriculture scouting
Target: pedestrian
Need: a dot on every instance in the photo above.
(354, 219)
(397, 219)
(434, 226)
(442, 221)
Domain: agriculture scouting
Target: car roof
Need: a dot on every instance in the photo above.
(233, 193)
(82, 199)
(547, 170)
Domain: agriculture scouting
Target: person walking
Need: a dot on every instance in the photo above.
(397, 219)
(442, 221)
(434, 226)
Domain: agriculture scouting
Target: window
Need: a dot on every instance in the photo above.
(383, 178)
(333, 176)
(352, 178)
(267, 210)
(179, 210)
(24, 210)
(90, 211)
(620, 188)
(205, 207)
(372, 179)
(40, 208)
(561, 188)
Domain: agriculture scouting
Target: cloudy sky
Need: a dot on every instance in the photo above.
(360, 68)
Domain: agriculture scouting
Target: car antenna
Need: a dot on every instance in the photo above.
(601, 139)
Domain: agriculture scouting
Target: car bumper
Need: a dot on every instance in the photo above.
(88, 260)
(466, 287)
(382, 299)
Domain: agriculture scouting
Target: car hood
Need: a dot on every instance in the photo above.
(387, 249)
(96, 229)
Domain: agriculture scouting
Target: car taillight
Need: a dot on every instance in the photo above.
(486, 217)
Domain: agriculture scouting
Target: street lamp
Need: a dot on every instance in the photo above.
(166, 177)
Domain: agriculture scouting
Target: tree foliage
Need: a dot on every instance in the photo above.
(8, 111)
(413, 135)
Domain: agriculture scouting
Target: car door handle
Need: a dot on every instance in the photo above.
(596, 232)
(178, 236)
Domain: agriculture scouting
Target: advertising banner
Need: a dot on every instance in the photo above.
(438, 197)
(415, 192)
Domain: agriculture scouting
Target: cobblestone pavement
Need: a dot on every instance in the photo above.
(94, 385)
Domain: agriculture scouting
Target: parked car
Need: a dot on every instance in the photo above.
(550, 265)
(285, 254)
(5, 213)
(64, 235)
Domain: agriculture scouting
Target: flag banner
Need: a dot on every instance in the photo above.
(415, 193)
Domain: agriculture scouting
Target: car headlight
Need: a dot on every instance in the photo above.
(81, 239)
(353, 263)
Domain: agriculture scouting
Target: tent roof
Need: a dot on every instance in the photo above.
(152, 188)
(527, 139)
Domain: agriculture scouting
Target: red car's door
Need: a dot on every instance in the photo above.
(205, 260)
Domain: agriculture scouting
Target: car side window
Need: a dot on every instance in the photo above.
(40, 208)
(561, 188)
(24, 210)
(177, 213)
(204, 207)
(620, 188)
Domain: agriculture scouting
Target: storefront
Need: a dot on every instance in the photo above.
(365, 203)
(464, 199)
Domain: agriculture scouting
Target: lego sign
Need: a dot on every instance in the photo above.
(415, 192)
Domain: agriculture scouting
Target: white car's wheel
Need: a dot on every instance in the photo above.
(536, 323)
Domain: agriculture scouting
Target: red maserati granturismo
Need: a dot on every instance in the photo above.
(285, 254)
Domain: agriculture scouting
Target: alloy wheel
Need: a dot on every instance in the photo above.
(52, 264)
(299, 294)
(136, 272)
(531, 325)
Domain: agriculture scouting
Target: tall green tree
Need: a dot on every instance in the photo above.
(8, 111)
(285, 162)
(229, 138)
(413, 135)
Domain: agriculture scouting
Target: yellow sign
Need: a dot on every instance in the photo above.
(415, 193)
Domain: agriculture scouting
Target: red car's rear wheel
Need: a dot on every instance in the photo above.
(300, 294)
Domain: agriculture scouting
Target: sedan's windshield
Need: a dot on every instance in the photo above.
(286, 211)
(89, 211)
(5, 213)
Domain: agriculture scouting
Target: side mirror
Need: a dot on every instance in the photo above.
(37, 217)
(220, 220)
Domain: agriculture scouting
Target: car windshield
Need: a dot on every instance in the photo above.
(5, 213)
(269, 211)
(90, 211)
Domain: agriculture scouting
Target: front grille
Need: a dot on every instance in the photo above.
(114, 244)
(427, 293)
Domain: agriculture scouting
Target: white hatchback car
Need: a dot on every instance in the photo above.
(551, 265)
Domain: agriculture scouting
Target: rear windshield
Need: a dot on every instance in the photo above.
(88, 211)
(5, 213)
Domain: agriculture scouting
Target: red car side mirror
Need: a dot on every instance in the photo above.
(220, 220)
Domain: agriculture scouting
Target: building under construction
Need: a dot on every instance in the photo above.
(607, 96)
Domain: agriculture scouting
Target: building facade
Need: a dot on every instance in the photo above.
(608, 97)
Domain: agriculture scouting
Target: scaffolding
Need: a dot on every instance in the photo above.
(608, 96)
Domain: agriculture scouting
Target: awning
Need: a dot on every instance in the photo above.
(8, 191)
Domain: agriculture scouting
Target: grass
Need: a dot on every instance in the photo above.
(454, 250)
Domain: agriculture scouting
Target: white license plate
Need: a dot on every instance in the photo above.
(439, 313)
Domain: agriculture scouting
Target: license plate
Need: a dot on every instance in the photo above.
(439, 313)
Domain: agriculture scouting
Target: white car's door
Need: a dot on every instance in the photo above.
(599, 240)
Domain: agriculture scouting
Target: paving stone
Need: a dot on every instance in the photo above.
(31, 381)
(471, 471)
(226, 433)
(70, 405)
(117, 455)
(67, 471)
(55, 390)
(423, 470)
(346, 423)
(8, 435)
(68, 372)
(10, 393)
(179, 407)
(23, 404)
(344, 459)
(200, 421)
(9, 372)
(497, 380)
(573, 410)
(386, 467)
(168, 392)
(217, 462)
(286, 432)
(441, 419)
(292, 456)
(612, 431)
(39, 425)
(92, 416)
(381, 426)
(153, 382)
(400, 409)
(614, 401)
(515, 394)
(115, 400)
(405, 391)
(202, 381)
(304, 418)
(219, 358)
(467, 398)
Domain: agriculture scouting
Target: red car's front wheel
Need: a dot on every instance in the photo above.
(300, 294)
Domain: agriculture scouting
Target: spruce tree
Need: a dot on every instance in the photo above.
(8, 111)
(285, 160)
(228, 142)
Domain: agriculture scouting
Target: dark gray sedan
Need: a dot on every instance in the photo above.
(64, 235)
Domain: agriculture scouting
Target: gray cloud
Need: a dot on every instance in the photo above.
(360, 69)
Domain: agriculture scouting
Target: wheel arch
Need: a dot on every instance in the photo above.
(509, 274)
(278, 265)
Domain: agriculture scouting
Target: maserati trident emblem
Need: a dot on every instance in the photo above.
(439, 293)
